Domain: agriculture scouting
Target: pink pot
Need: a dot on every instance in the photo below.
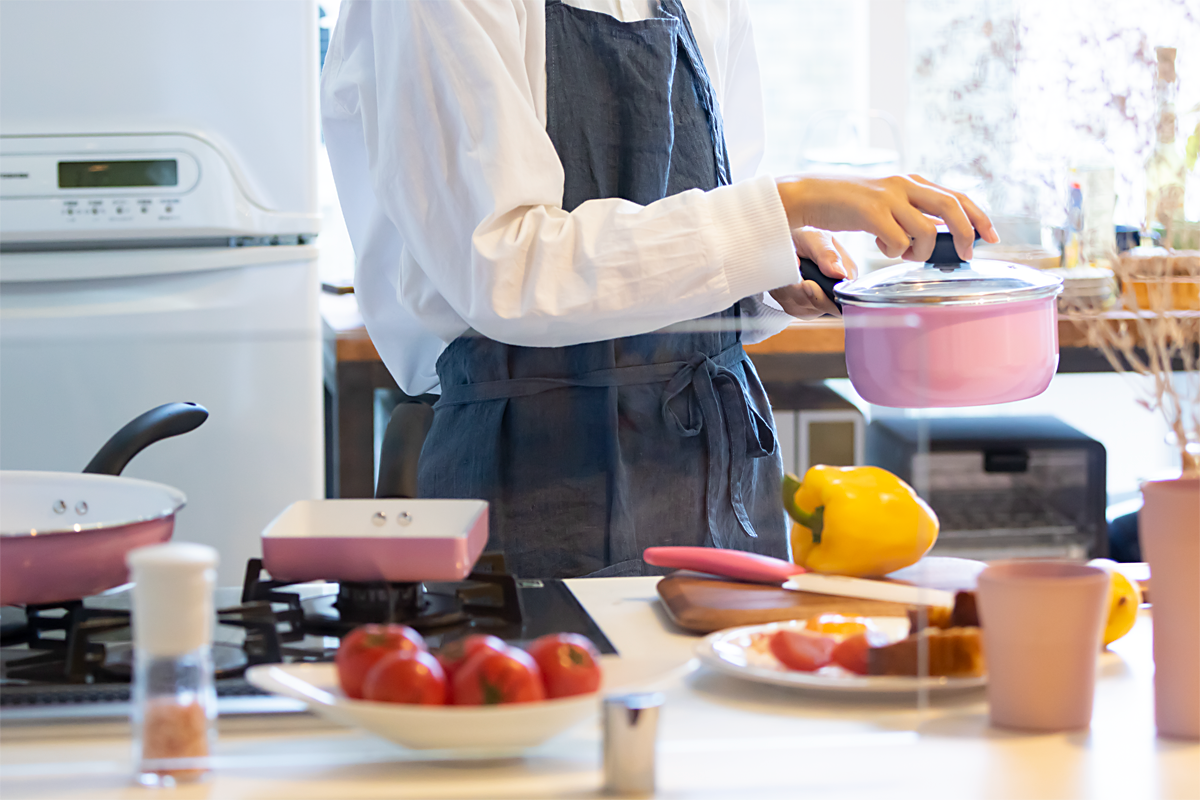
(947, 332)
(955, 355)
(1169, 528)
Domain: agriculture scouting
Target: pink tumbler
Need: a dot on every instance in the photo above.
(1042, 623)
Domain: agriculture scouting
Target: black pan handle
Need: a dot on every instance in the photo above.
(809, 271)
(163, 422)
(399, 456)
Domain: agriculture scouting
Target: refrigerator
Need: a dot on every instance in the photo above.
(158, 207)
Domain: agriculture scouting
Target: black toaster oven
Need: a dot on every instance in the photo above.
(1002, 487)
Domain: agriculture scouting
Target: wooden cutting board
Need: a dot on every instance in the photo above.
(702, 604)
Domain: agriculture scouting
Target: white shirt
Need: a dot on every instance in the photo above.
(434, 117)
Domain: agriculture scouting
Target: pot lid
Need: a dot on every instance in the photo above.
(947, 280)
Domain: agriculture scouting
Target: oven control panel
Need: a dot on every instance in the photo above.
(119, 188)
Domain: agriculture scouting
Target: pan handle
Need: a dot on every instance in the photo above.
(809, 271)
(163, 422)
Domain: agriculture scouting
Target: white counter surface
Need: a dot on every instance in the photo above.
(720, 738)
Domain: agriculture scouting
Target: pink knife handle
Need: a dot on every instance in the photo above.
(734, 564)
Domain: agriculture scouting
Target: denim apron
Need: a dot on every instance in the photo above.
(590, 453)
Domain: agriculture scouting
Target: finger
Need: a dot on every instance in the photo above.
(847, 262)
(921, 230)
(980, 220)
(819, 300)
(890, 238)
(818, 246)
(941, 203)
(795, 301)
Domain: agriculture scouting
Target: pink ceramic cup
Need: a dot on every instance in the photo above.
(1169, 526)
(1042, 623)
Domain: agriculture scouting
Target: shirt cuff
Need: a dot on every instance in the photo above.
(762, 318)
(750, 235)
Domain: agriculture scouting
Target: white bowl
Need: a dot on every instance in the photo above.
(492, 729)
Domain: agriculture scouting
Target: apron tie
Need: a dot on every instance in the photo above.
(735, 432)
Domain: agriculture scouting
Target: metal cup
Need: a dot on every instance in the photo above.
(630, 743)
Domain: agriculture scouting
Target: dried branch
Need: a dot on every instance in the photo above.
(1158, 332)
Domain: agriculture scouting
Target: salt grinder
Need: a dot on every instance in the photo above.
(174, 706)
(630, 743)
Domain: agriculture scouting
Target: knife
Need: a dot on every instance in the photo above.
(756, 568)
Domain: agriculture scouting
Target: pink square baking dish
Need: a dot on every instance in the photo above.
(400, 541)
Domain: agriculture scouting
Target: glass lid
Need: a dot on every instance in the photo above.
(945, 280)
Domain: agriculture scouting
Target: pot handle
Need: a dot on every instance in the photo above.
(163, 422)
(809, 271)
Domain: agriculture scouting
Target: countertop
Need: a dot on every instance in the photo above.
(720, 738)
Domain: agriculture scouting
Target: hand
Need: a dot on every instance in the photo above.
(806, 300)
(896, 209)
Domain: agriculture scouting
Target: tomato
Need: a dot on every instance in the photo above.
(406, 676)
(491, 677)
(802, 651)
(569, 662)
(454, 655)
(851, 653)
(364, 646)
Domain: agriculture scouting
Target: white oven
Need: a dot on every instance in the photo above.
(157, 206)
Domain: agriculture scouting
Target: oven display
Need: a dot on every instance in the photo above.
(117, 174)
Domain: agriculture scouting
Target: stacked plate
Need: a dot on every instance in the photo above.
(1091, 288)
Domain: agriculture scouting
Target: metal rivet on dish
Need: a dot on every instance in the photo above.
(378, 518)
(81, 508)
(404, 518)
(59, 506)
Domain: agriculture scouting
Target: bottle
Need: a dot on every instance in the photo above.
(1071, 249)
(174, 707)
(1166, 169)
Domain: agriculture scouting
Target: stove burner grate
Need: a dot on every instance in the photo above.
(487, 599)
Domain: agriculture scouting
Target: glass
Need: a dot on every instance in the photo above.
(174, 717)
(981, 281)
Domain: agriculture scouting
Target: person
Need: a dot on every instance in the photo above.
(558, 227)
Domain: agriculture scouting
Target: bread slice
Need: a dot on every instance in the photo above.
(953, 652)
(965, 614)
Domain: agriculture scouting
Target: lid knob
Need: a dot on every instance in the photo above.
(944, 254)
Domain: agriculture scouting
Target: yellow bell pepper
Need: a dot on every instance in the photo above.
(857, 521)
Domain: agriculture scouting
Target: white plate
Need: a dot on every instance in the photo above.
(489, 730)
(732, 652)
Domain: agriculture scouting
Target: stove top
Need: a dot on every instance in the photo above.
(73, 659)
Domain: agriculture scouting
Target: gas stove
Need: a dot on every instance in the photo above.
(74, 659)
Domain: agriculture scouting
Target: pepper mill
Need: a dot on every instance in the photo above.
(630, 743)
(174, 708)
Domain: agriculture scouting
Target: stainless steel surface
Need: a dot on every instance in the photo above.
(631, 743)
